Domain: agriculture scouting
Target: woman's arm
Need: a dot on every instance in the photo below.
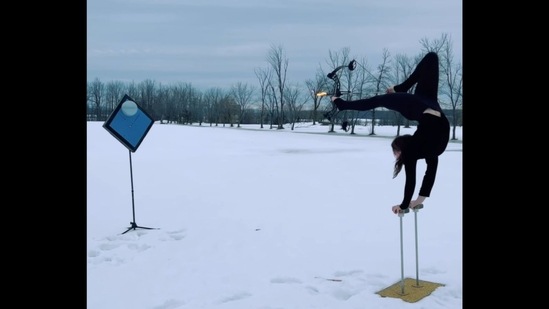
(420, 199)
(429, 177)
(410, 184)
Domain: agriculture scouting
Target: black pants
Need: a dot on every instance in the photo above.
(411, 106)
(425, 77)
(432, 135)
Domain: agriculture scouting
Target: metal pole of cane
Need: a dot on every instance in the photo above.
(400, 215)
(416, 209)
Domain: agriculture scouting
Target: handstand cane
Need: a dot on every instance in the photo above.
(401, 213)
(416, 209)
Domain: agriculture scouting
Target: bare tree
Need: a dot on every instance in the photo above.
(96, 93)
(201, 109)
(435, 45)
(147, 95)
(381, 80)
(88, 103)
(209, 101)
(359, 82)
(273, 104)
(186, 102)
(228, 109)
(212, 100)
(172, 104)
(336, 59)
(113, 94)
(162, 108)
(279, 62)
(132, 89)
(242, 94)
(180, 98)
(314, 87)
(452, 81)
(195, 106)
(264, 76)
(295, 100)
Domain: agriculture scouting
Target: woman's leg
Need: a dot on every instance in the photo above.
(409, 105)
(424, 76)
(427, 76)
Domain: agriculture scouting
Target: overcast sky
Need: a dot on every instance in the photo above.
(217, 43)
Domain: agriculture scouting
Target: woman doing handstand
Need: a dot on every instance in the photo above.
(433, 130)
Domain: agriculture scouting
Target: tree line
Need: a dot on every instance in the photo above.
(276, 102)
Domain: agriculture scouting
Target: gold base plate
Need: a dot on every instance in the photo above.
(414, 290)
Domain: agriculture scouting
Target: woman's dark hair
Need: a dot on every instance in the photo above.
(399, 144)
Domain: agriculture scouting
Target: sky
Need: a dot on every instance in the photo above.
(265, 219)
(218, 43)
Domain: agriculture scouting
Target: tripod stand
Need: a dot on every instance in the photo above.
(134, 225)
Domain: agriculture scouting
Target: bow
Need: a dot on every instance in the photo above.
(337, 87)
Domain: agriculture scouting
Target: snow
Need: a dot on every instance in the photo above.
(261, 218)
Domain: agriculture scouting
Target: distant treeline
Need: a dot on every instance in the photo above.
(276, 102)
(382, 117)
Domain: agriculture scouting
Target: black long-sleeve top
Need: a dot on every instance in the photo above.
(415, 151)
(428, 142)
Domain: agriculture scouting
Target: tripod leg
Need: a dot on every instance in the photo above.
(147, 228)
(134, 226)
